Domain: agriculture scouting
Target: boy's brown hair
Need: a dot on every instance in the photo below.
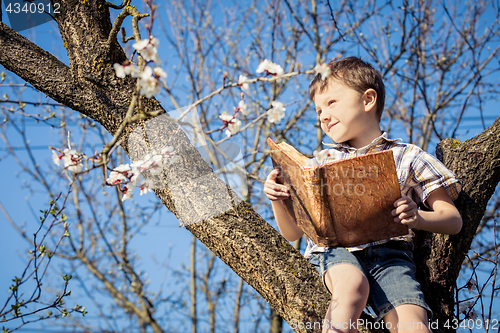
(355, 74)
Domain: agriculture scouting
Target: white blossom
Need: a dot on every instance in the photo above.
(323, 69)
(167, 151)
(310, 163)
(140, 45)
(468, 308)
(471, 284)
(120, 70)
(119, 175)
(156, 166)
(243, 108)
(135, 174)
(321, 155)
(159, 72)
(71, 160)
(116, 178)
(123, 168)
(124, 70)
(146, 186)
(276, 113)
(56, 158)
(226, 117)
(233, 127)
(233, 124)
(147, 48)
(169, 154)
(242, 83)
(270, 67)
(148, 83)
(138, 165)
(127, 191)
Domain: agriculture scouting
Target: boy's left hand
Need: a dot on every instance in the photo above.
(406, 212)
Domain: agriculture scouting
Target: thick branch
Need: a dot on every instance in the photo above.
(476, 162)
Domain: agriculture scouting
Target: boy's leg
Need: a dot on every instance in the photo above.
(350, 288)
(407, 318)
(395, 292)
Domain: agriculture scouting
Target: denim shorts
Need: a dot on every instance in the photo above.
(390, 271)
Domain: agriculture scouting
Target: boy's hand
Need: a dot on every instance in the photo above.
(406, 212)
(273, 190)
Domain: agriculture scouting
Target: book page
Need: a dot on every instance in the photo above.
(307, 163)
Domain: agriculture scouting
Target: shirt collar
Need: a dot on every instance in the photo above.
(376, 142)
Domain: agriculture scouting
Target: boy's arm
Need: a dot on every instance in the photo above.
(276, 193)
(443, 219)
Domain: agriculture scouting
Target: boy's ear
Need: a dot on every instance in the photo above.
(369, 99)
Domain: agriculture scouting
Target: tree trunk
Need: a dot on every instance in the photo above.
(476, 162)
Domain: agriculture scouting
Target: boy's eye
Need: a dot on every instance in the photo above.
(331, 102)
(318, 112)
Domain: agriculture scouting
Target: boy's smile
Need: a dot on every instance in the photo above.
(347, 115)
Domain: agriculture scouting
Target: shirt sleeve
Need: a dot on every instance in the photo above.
(429, 174)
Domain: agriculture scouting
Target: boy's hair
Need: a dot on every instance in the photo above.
(355, 74)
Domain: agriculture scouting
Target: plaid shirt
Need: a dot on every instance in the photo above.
(419, 174)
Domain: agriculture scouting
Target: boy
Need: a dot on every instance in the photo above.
(349, 103)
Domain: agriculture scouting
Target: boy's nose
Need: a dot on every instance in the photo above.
(324, 117)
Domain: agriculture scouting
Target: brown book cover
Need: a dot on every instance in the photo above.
(340, 203)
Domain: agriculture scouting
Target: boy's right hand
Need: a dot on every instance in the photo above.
(273, 190)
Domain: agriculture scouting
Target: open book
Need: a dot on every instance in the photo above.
(340, 203)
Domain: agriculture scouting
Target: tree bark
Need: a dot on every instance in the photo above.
(476, 162)
(238, 235)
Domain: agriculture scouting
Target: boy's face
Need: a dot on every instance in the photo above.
(345, 113)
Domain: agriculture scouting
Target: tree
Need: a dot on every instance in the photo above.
(453, 71)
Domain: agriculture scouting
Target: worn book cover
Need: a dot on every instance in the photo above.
(341, 203)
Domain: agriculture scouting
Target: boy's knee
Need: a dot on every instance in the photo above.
(349, 281)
